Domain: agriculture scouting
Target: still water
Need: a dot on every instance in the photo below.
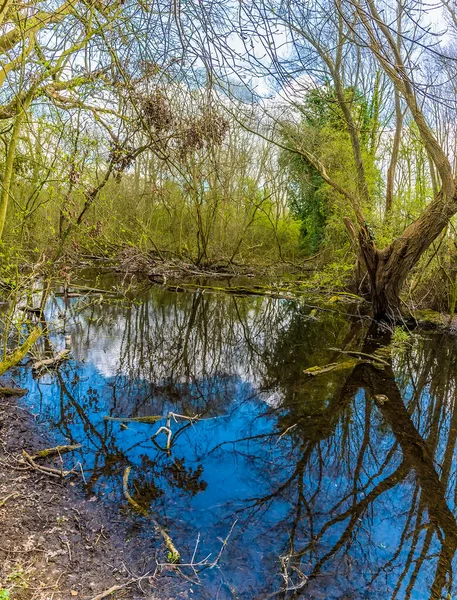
(340, 486)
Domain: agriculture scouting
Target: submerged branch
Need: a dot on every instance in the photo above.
(57, 450)
(51, 362)
(147, 419)
(341, 366)
(374, 361)
(175, 555)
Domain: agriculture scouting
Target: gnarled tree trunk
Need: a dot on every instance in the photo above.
(388, 268)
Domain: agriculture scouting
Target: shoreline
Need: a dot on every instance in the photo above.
(56, 543)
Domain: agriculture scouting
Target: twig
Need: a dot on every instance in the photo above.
(285, 432)
(3, 501)
(111, 590)
(373, 357)
(224, 544)
(47, 470)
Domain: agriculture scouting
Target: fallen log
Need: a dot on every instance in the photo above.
(57, 450)
(151, 419)
(7, 391)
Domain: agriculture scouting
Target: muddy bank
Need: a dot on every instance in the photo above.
(55, 543)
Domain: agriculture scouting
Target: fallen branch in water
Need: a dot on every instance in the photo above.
(151, 419)
(7, 391)
(125, 487)
(175, 555)
(341, 366)
(167, 427)
(204, 563)
(84, 289)
(289, 587)
(360, 358)
(51, 362)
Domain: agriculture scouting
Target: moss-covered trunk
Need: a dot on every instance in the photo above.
(5, 192)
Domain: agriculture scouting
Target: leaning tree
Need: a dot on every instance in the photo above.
(350, 44)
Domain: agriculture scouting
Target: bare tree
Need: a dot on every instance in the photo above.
(301, 46)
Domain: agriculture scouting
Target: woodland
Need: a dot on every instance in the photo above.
(272, 187)
(317, 137)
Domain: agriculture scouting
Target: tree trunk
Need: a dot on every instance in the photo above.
(385, 294)
(9, 165)
(388, 268)
(394, 157)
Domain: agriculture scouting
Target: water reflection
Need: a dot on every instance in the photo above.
(340, 486)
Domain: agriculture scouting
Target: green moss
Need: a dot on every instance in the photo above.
(150, 419)
(428, 316)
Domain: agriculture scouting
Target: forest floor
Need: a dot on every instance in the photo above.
(56, 544)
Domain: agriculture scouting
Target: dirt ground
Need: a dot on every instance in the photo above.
(55, 544)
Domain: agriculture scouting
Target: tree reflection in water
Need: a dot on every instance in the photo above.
(343, 485)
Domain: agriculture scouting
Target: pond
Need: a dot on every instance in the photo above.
(341, 485)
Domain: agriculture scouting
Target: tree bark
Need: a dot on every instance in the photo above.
(388, 268)
(9, 164)
(394, 157)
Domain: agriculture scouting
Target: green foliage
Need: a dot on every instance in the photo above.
(323, 132)
(400, 336)
(208, 206)
(333, 275)
(173, 557)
